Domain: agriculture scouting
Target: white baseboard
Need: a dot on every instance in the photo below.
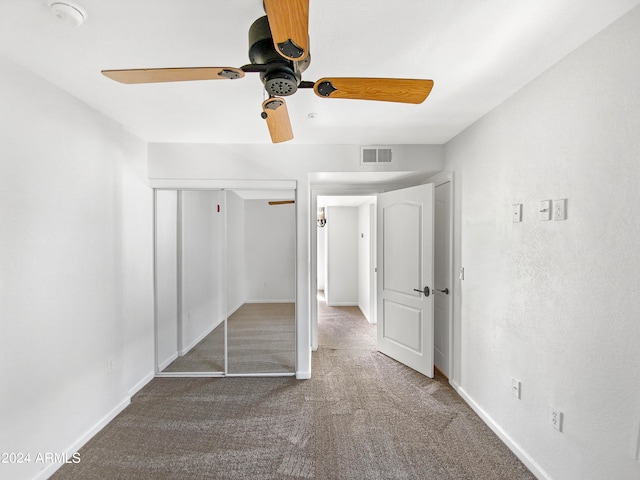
(519, 452)
(271, 300)
(342, 304)
(200, 337)
(140, 385)
(303, 375)
(78, 444)
(167, 361)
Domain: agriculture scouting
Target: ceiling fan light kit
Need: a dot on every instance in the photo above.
(67, 12)
(279, 53)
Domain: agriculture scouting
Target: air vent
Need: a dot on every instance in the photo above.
(375, 155)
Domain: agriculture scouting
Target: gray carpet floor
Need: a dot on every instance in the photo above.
(361, 416)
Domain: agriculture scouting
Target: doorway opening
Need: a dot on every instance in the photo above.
(443, 287)
(345, 257)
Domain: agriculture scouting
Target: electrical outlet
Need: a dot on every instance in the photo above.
(560, 209)
(556, 418)
(515, 388)
(461, 273)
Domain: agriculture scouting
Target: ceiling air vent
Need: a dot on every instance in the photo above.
(375, 155)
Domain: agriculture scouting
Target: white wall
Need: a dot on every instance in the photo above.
(198, 162)
(76, 262)
(341, 286)
(270, 248)
(203, 265)
(236, 280)
(555, 304)
(364, 259)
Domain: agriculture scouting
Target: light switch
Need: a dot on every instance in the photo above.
(544, 210)
(517, 212)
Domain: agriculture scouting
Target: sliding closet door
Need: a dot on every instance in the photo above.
(225, 282)
(261, 282)
(166, 270)
(192, 255)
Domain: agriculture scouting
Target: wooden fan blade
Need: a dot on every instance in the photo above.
(289, 23)
(281, 202)
(401, 90)
(274, 111)
(153, 75)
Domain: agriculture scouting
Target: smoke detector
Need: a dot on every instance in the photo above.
(68, 12)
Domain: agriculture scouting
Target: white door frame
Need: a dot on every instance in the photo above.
(440, 179)
(363, 189)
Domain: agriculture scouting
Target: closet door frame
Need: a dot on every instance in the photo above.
(179, 185)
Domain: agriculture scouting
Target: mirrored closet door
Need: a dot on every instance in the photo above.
(225, 282)
(261, 287)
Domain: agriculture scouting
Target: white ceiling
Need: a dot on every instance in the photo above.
(478, 53)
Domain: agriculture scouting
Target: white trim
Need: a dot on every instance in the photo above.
(442, 179)
(303, 375)
(88, 435)
(291, 300)
(342, 304)
(519, 452)
(185, 350)
(141, 384)
(207, 184)
(274, 374)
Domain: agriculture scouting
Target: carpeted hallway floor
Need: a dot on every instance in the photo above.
(361, 416)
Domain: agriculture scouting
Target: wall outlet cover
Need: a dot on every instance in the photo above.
(560, 209)
(515, 387)
(555, 416)
(544, 210)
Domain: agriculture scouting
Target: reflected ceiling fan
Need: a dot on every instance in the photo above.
(279, 53)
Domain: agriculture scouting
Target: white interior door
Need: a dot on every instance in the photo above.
(405, 276)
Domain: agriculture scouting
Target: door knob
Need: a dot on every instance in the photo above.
(445, 291)
(426, 291)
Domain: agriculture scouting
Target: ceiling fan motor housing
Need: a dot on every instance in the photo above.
(281, 76)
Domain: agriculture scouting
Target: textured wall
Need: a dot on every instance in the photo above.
(555, 304)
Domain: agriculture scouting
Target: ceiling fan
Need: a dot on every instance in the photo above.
(279, 53)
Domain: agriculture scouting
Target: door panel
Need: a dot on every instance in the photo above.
(405, 264)
(405, 330)
(402, 271)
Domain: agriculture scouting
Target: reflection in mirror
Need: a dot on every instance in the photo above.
(261, 282)
(190, 296)
(225, 278)
(205, 356)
